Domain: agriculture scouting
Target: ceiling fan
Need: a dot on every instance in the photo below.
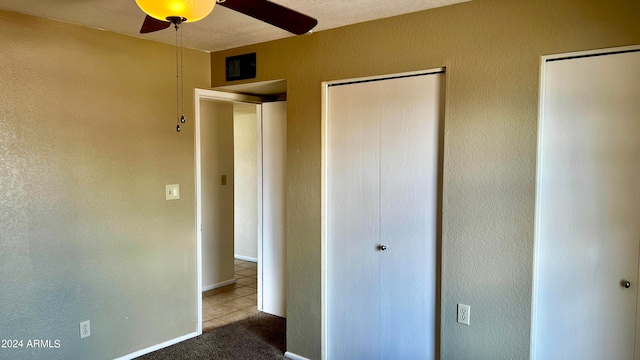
(264, 10)
(161, 14)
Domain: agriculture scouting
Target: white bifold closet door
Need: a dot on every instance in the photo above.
(381, 173)
(588, 209)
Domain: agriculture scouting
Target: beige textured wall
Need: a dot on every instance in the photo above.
(245, 143)
(216, 156)
(87, 143)
(492, 50)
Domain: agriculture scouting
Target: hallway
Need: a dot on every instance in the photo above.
(234, 302)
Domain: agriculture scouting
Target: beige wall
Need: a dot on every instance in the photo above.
(216, 151)
(245, 143)
(492, 50)
(87, 144)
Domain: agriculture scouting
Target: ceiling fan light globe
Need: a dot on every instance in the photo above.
(192, 10)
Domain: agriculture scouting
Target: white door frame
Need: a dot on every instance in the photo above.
(323, 195)
(204, 94)
(541, 102)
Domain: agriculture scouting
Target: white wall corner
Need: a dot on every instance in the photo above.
(292, 356)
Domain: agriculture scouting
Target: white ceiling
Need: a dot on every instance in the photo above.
(224, 28)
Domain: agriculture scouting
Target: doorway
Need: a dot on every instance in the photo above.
(587, 242)
(215, 213)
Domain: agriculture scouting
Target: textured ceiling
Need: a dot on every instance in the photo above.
(224, 28)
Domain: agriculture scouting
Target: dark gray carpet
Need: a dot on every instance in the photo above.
(261, 336)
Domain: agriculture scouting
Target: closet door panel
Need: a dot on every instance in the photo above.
(588, 210)
(352, 185)
(410, 118)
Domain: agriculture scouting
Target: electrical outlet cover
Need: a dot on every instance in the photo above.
(85, 329)
(464, 312)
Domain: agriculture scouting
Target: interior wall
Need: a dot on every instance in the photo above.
(245, 143)
(492, 50)
(216, 156)
(87, 145)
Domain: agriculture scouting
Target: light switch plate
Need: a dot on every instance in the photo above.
(172, 192)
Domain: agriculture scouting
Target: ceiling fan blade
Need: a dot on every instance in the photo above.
(152, 24)
(274, 14)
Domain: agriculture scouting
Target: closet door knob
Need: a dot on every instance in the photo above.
(383, 247)
(626, 284)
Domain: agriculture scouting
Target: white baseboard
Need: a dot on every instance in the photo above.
(292, 356)
(157, 347)
(245, 258)
(218, 285)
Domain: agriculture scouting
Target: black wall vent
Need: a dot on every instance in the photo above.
(241, 67)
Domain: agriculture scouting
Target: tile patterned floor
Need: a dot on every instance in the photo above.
(231, 303)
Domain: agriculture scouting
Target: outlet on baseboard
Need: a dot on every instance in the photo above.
(464, 312)
(85, 329)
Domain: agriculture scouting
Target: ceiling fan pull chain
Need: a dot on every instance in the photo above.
(182, 119)
(177, 82)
